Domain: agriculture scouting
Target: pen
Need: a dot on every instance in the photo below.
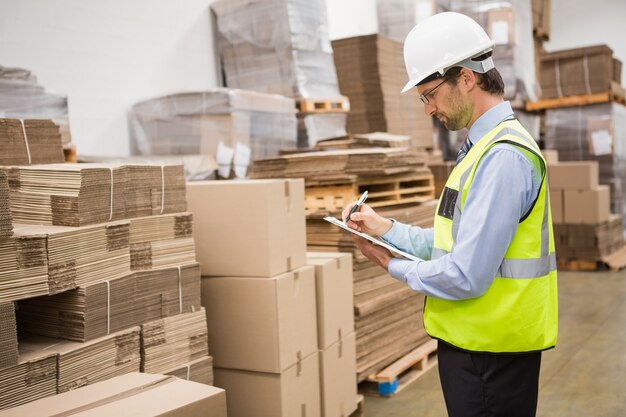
(358, 205)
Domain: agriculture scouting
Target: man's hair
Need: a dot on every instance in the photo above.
(491, 81)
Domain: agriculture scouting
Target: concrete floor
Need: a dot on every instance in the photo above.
(585, 375)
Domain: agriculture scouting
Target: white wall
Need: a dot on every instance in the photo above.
(107, 55)
(347, 18)
(577, 23)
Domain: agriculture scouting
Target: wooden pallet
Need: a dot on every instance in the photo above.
(401, 373)
(578, 265)
(615, 261)
(331, 105)
(387, 191)
(615, 94)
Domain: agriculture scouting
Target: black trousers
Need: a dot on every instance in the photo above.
(488, 385)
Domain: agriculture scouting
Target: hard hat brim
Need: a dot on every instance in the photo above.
(408, 86)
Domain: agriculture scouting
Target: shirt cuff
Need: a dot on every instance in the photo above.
(391, 233)
(397, 268)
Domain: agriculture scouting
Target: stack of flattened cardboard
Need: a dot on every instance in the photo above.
(167, 292)
(371, 73)
(282, 47)
(81, 194)
(22, 98)
(6, 220)
(34, 377)
(8, 335)
(69, 195)
(100, 309)
(97, 360)
(337, 166)
(154, 189)
(23, 268)
(77, 256)
(161, 241)
(199, 370)
(24, 142)
(173, 341)
(578, 71)
(365, 140)
(276, 46)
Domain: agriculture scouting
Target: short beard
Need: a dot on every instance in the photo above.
(459, 113)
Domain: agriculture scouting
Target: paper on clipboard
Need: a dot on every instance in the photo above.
(379, 242)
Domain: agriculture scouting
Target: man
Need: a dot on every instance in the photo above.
(488, 268)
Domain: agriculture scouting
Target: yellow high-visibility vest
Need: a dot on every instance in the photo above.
(518, 313)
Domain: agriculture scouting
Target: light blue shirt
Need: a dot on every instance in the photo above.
(502, 192)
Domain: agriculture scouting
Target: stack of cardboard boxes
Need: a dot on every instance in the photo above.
(584, 227)
(280, 327)
(371, 73)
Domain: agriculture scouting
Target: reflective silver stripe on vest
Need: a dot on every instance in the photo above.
(527, 268)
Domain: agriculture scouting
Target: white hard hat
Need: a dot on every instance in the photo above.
(443, 41)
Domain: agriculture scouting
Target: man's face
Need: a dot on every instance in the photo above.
(443, 99)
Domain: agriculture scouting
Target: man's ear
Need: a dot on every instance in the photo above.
(467, 79)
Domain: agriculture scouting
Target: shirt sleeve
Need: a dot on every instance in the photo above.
(411, 239)
(504, 188)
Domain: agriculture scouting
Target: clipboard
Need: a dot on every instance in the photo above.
(378, 242)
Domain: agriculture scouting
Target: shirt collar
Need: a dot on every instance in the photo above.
(490, 119)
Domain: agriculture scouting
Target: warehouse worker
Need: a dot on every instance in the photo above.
(488, 266)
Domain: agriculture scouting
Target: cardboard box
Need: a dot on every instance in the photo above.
(134, 393)
(252, 228)
(575, 175)
(264, 325)
(294, 392)
(338, 378)
(335, 299)
(587, 206)
(551, 156)
(556, 205)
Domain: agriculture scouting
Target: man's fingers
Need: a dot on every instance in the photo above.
(346, 211)
(357, 216)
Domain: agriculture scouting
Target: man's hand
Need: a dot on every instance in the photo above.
(373, 252)
(366, 220)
